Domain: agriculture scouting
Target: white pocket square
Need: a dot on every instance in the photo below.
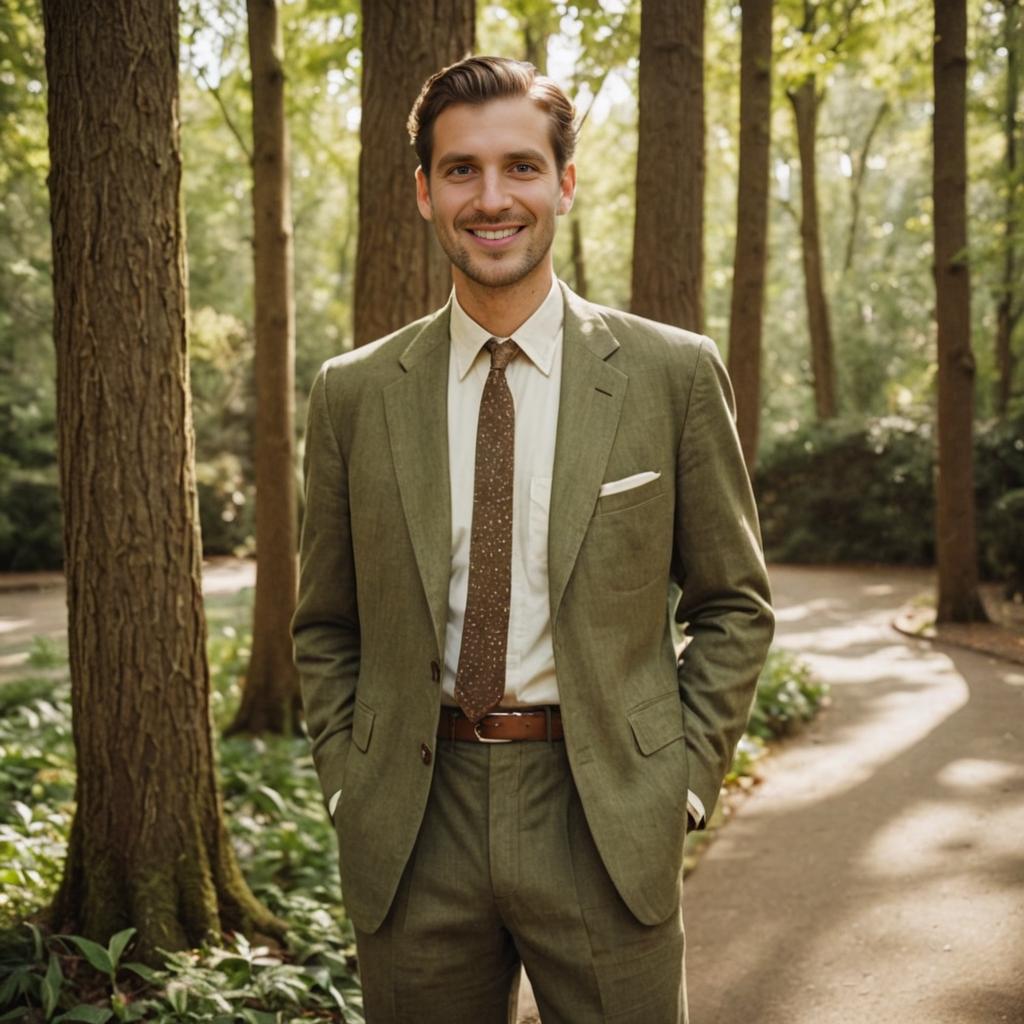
(627, 483)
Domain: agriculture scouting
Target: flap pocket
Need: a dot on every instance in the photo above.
(656, 723)
(362, 725)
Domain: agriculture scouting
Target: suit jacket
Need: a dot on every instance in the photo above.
(641, 726)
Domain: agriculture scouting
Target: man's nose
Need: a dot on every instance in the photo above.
(493, 196)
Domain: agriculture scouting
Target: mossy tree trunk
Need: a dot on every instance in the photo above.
(148, 846)
(668, 238)
(401, 272)
(751, 256)
(955, 540)
(270, 698)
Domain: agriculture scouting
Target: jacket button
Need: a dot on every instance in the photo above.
(435, 671)
(425, 755)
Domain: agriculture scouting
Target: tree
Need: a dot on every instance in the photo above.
(805, 100)
(1010, 302)
(955, 538)
(745, 319)
(668, 239)
(270, 699)
(148, 846)
(401, 274)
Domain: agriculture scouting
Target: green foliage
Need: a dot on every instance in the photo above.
(851, 492)
(788, 696)
(283, 837)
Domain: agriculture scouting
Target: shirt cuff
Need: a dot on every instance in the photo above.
(694, 807)
(332, 804)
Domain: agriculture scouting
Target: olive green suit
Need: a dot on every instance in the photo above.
(640, 728)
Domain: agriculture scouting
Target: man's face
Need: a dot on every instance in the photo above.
(494, 190)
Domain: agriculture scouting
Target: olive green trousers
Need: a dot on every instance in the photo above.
(504, 871)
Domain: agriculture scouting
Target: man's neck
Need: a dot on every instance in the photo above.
(502, 311)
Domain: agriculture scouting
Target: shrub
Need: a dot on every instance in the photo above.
(842, 492)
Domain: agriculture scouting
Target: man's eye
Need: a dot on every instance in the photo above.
(524, 168)
(460, 171)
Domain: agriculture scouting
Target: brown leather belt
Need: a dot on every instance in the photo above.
(510, 726)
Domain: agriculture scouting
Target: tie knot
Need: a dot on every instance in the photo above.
(502, 352)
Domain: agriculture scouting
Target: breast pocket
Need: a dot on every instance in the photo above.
(629, 540)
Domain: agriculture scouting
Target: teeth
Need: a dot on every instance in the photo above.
(503, 233)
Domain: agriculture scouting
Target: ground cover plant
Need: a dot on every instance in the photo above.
(284, 841)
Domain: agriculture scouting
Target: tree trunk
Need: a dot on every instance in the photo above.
(401, 272)
(955, 542)
(579, 265)
(805, 108)
(148, 846)
(1009, 304)
(668, 239)
(270, 699)
(745, 319)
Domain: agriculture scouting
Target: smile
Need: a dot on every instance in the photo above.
(494, 235)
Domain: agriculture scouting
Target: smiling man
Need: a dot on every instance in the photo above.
(498, 497)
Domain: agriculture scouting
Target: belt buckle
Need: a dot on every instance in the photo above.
(484, 739)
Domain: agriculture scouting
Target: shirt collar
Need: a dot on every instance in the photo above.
(538, 338)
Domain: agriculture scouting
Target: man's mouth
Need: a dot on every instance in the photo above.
(493, 234)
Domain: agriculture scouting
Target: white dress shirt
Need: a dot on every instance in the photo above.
(534, 377)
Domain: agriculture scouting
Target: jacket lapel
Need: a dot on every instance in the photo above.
(416, 408)
(591, 399)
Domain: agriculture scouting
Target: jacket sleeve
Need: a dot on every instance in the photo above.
(325, 628)
(718, 564)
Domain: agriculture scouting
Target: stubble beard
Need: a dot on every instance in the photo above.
(499, 270)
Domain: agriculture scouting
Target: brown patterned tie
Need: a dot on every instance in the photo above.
(480, 679)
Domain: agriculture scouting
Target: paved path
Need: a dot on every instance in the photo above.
(878, 873)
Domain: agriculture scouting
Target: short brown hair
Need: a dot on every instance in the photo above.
(478, 80)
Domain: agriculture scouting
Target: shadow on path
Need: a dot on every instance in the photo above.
(878, 873)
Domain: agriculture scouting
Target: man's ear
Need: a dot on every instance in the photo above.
(567, 189)
(423, 195)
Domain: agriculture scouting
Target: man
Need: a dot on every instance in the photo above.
(497, 498)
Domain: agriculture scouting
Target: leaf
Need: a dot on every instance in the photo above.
(274, 797)
(52, 983)
(117, 945)
(87, 1014)
(16, 1014)
(177, 996)
(145, 972)
(94, 953)
(37, 939)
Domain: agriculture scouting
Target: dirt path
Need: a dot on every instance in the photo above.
(878, 873)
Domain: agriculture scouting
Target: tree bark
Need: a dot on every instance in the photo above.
(1009, 304)
(668, 240)
(750, 260)
(401, 272)
(148, 846)
(270, 698)
(805, 109)
(955, 541)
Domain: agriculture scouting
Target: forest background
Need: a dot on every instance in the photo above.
(861, 385)
(856, 485)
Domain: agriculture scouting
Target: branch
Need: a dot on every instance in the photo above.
(858, 181)
(215, 92)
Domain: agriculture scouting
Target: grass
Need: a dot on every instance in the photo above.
(284, 842)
